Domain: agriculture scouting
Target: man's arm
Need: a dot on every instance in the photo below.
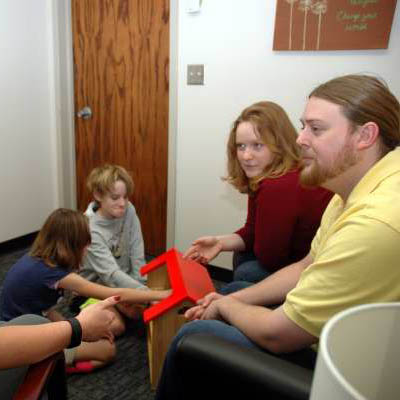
(270, 329)
(270, 291)
(273, 289)
(28, 344)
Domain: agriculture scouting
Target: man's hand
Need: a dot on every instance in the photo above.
(204, 249)
(209, 298)
(197, 312)
(96, 320)
(212, 311)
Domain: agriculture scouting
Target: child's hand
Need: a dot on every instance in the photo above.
(165, 293)
(161, 294)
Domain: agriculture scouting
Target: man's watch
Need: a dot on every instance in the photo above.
(76, 336)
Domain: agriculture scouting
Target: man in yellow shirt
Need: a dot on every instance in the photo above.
(349, 139)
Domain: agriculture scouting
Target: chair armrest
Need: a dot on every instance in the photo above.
(219, 362)
(47, 374)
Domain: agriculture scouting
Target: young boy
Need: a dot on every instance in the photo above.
(116, 252)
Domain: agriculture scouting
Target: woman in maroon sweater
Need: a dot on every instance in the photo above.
(283, 217)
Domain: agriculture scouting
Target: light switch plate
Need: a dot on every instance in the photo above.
(193, 6)
(195, 74)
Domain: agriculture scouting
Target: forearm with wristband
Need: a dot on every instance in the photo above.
(76, 335)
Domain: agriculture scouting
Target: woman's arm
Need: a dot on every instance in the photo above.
(231, 242)
(206, 248)
(28, 344)
(22, 345)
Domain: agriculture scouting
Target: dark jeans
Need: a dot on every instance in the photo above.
(234, 287)
(247, 268)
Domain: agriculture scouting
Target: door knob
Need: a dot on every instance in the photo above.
(85, 113)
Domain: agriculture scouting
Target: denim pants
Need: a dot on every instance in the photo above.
(247, 268)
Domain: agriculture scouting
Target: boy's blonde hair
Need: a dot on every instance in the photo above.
(102, 179)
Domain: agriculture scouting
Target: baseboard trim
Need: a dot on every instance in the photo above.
(219, 274)
(18, 243)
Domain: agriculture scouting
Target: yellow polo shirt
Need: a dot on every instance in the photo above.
(356, 251)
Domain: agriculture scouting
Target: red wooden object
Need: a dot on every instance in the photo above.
(188, 280)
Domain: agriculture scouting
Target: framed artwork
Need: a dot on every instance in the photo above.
(333, 24)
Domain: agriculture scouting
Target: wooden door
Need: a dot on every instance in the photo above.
(121, 69)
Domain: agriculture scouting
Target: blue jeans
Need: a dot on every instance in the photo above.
(169, 385)
(234, 287)
(247, 268)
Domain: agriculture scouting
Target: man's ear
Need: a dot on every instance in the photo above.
(368, 135)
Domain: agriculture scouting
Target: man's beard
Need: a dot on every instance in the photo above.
(316, 175)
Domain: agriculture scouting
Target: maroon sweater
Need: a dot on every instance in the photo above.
(282, 220)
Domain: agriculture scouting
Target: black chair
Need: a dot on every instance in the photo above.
(214, 368)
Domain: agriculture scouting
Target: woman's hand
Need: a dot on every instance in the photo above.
(96, 320)
(204, 249)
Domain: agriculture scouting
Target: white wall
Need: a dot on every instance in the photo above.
(28, 142)
(233, 39)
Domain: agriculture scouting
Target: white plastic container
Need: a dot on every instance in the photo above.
(359, 355)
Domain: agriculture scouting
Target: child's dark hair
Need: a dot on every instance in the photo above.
(62, 240)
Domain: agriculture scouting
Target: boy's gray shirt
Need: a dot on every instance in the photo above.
(116, 252)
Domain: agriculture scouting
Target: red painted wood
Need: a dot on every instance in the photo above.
(188, 279)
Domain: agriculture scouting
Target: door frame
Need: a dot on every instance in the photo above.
(65, 120)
